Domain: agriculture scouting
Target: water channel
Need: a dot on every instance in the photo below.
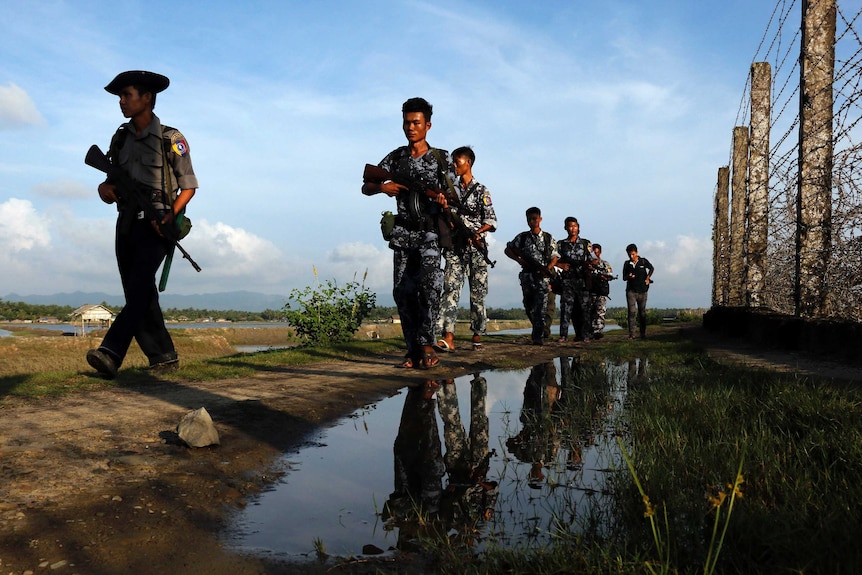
(504, 458)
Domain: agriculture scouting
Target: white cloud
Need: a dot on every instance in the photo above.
(683, 273)
(21, 228)
(17, 109)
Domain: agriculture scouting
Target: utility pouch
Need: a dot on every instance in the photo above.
(444, 234)
(387, 222)
(184, 225)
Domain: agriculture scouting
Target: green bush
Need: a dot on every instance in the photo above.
(329, 313)
(654, 317)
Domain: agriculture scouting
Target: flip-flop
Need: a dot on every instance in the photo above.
(443, 346)
(406, 364)
(478, 346)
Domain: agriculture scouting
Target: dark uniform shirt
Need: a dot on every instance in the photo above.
(143, 159)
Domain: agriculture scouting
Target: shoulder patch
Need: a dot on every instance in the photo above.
(179, 145)
(486, 199)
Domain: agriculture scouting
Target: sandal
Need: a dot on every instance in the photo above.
(407, 363)
(477, 343)
(429, 360)
(442, 345)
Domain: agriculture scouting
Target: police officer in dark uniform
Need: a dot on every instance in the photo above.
(157, 157)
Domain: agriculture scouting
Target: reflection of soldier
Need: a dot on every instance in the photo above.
(469, 495)
(637, 370)
(550, 312)
(418, 457)
(537, 442)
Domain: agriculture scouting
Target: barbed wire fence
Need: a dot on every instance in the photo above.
(781, 47)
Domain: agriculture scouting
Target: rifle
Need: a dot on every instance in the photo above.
(533, 264)
(415, 188)
(460, 230)
(132, 195)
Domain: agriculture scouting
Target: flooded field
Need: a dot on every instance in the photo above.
(509, 458)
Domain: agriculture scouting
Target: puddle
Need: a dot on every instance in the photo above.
(504, 457)
(260, 348)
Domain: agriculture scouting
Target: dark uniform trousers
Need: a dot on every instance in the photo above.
(140, 252)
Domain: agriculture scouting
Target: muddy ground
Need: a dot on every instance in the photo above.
(97, 483)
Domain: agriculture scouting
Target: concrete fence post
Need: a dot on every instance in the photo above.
(739, 192)
(758, 183)
(720, 240)
(814, 198)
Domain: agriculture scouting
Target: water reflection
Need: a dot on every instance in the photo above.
(511, 458)
(421, 504)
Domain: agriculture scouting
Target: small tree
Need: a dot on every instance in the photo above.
(329, 313)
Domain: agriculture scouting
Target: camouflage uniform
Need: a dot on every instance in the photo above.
(574, 296)
(598, 303)
(538, 441)
(418, 458)
(469, 495)
(417, 277)
(540, 249)
(465, 261)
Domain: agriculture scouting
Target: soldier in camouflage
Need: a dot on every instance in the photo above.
(536, 252)
(417, 277)
(463, 259)
(576, 261)
(602, 274)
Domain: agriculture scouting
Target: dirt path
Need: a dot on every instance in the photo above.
(97, 483)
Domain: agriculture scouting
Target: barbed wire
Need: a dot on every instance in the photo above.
(780, 45)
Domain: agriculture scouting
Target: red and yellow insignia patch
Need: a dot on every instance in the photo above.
(179, 145)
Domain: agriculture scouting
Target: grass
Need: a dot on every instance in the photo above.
(733, 470)
(33, 366)
(688, 421)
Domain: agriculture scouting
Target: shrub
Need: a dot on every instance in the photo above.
(329, 313)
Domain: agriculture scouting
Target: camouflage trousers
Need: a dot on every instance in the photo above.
(534, 289)
(463, 265)
(463, 452)
(598, 309)
(417, 281)
(575, 308)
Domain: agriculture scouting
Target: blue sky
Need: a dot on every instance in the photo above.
(616, 112)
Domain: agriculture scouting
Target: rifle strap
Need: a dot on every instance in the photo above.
(442, 172)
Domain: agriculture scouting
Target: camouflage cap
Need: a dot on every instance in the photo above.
(156, 82)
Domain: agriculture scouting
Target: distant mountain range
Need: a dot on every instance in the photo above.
(235, 300)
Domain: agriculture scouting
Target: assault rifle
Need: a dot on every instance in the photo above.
(378, 175)
(533, 264)
(133, 196)
(415, 188)
(461, 231)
